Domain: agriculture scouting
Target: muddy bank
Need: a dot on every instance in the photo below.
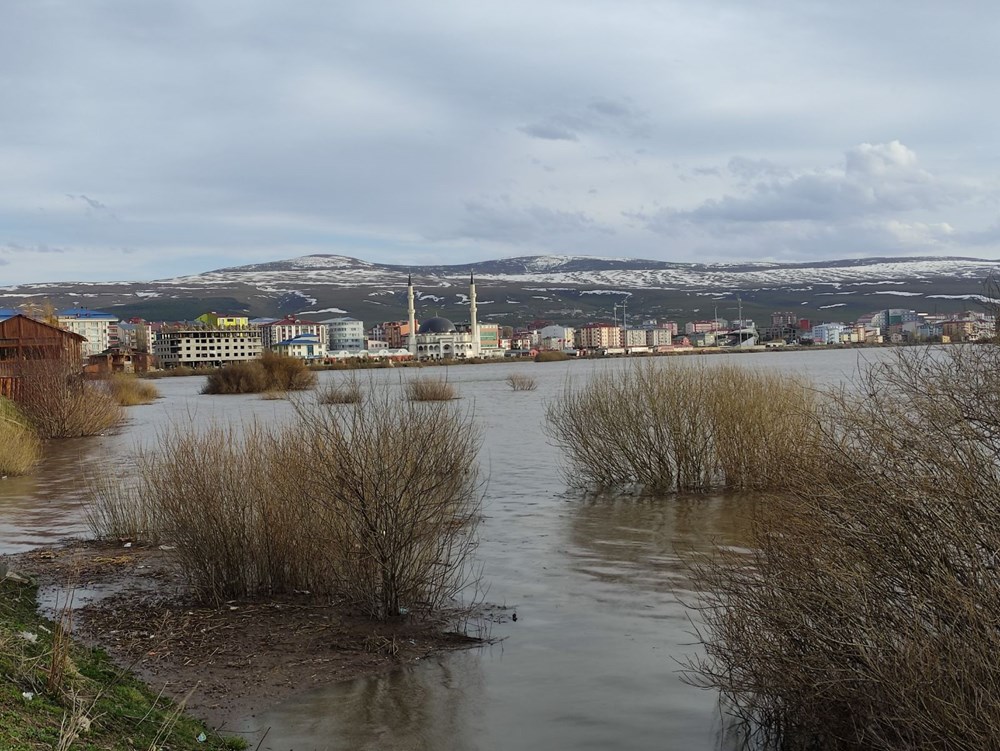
(230, 661)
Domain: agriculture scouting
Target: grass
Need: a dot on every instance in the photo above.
(129, 391)
(86, 703)
(20, 448)
(429, 390)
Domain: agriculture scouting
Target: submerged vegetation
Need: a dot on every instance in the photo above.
(129, 391)
(58, 402)
(20, 448)
(270, 372)
(429, 390)
(672, 425)
(865, 614)
(375, 504)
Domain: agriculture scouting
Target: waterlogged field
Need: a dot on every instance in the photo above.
(593, 659)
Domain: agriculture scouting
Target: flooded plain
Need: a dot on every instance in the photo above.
(595, 656)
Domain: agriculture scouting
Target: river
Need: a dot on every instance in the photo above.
(594, 658)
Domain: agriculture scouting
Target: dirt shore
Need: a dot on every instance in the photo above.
(230, 661)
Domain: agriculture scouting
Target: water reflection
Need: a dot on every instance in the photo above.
(45, 506)
(432, 706)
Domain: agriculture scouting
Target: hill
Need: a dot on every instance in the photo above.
(516, 291)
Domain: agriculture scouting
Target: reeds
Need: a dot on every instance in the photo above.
(521, 382)
(57, 402)
(341, 392)
(20, 448)
(130, 391)
(426, 389)
(865, 614)
(551, 355)
(666, 426)
(374, 504)
(271, 372)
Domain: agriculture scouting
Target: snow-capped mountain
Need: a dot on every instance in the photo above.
(559, 288)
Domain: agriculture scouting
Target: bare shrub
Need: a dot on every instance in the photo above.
(551, 355)
(58, 402)
(286, 373)
(375, 504)
(521, 382)
(865, 615)
(666, 426)
(129, 391)
(20, 448)
(405, 487)
(429, 390)
(343, 392)
(272, 372)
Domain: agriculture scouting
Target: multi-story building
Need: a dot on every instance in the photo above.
(93, 325)
(287, 328)
(396, 333)
(135, 334)
(206, 347)
(302, 347)
(659, 336)
(704, 327)
(556, 337)
(597, 336)
(345, 334)
(828, 333)
(785, 318)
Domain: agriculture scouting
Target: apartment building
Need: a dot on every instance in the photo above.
(196, 348)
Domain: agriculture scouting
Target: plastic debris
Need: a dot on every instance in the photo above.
(202, 738)
(29, 637)
(28, 695)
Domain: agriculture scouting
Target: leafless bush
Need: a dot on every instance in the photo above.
(865, 616)
(521, 382)
(342, 392)
(20, 448)
(429, 390)
(58, 402)
(129, 391)
(272, 372)
(375, 504)
(667, 426)
(405, 486)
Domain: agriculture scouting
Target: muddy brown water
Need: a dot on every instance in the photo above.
(597, 582)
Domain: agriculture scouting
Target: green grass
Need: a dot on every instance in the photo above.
(120, 711)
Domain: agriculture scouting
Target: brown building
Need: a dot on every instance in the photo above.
(23, 338)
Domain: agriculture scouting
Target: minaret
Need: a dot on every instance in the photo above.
(412, 340)
(474, 324)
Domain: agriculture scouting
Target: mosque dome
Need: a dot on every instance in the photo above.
(437, 326)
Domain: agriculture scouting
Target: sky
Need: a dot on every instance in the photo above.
(147, 140)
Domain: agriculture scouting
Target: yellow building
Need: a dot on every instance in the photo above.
(215, 321)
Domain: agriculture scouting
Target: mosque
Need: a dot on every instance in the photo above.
(437, 338)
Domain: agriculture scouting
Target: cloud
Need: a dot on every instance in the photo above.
(548, 132)
(874, 180)
(503, 221)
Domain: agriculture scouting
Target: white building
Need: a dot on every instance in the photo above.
(206, 347)
(556, 337)
(93, 325)
(301, 347)
(828, 333)
(290, 327)
(344, 334)
(438, 338)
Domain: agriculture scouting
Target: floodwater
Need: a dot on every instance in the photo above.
(594, 659)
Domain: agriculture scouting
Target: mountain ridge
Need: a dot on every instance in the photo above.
(518, 290)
